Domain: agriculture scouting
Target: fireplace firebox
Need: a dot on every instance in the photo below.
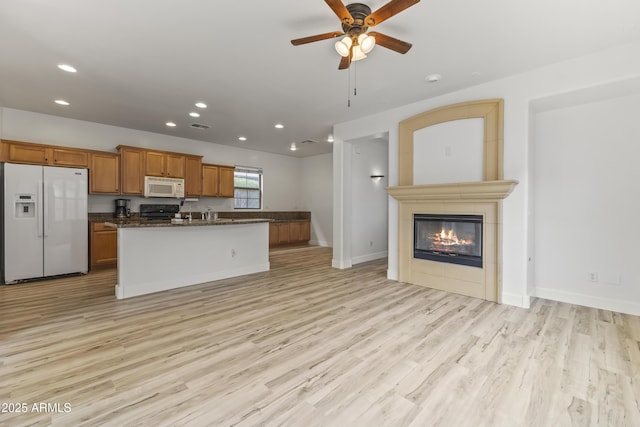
(455, 239)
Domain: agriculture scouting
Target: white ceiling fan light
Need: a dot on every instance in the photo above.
(344, 46)
(366, 42)
(358, 54)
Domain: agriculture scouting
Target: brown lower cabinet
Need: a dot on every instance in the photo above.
(282, 233)
(103, 244)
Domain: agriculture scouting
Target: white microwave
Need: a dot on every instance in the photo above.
(155, 186)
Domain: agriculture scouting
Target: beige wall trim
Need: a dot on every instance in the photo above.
(483, 190)
(491, 110)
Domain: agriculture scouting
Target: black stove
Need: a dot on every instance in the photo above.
(158, 212)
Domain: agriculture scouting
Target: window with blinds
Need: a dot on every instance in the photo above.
(247, 184)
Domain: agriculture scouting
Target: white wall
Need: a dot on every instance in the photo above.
(449, 152)
(316, 182)
(282, 186)
(620, 63)
(585, 202)
(369, 217)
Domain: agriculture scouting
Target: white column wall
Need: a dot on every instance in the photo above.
(585, 180)
(317, 183)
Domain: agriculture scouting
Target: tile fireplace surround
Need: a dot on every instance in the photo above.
(474, 198)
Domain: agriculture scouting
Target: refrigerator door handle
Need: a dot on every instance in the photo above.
(45, 210)
(39, 209)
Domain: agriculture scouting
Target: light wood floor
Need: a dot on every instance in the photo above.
(308, 345)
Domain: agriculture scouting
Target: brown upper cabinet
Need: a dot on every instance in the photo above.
(217, 181)
(70, 157)
(17, 152)
(226, 181)
(132, 170)
(104, 173)
(193, 176)
(159, 163)
(39, 154)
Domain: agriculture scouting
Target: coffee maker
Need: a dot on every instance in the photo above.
(123, 209)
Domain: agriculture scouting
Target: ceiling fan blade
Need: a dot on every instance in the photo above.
(391, 43)
(345, 62)
(387, 11)
(341, 10)
(317, 37)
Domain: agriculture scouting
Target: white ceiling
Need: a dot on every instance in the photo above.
(142, 63)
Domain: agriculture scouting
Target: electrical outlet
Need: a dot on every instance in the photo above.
(592, 277)
(371, 244)
(233, 253)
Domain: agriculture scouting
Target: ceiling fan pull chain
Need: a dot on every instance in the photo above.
(349, 89)
(355, 79)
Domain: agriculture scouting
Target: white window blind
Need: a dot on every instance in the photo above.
(247, 182)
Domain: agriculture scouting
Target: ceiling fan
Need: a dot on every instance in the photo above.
(356, 19)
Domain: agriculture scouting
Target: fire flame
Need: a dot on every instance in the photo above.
(449, 238)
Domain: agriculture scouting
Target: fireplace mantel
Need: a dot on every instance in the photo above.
(481, 190)
(477, 198)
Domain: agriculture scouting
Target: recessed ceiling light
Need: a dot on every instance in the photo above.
(293, 147)
(194, 114)
(201, 105)
(242, 138)
(68, 68)
(432, 78)
(330, 138)
(61, 102)
(170, 124)
(279, 126)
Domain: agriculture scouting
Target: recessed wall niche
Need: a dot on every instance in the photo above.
(449, 152)
(491, 113)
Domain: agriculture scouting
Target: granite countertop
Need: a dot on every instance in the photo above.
(275, 216)
(128, 223)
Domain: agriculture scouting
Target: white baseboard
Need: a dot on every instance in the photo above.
(368, 257)
(341, 264)
(619, 306)
(522, 301)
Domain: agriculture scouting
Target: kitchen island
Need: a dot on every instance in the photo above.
(156, 256)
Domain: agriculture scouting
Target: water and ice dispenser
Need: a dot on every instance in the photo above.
(25, 206)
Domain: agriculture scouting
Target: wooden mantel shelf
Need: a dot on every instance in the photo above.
(481, 190)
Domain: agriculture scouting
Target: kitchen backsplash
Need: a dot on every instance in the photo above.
(100, 203)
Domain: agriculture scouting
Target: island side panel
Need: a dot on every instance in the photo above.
(152, 259)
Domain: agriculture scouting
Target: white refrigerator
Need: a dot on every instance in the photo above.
(44, 221)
